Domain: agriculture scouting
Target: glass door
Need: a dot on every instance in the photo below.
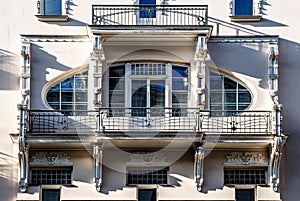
(146, 95)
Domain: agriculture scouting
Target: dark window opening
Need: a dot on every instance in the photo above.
(244, 194)
(147, 195)
(51, 195)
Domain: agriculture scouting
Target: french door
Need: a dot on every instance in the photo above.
(147, 97)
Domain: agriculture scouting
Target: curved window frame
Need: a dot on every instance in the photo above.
(70, 93)
(227, 94)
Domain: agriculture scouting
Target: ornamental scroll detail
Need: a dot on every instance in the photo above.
(51, 159)
(147, 159)
(245, 158)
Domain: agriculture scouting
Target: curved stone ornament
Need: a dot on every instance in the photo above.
(198, 167)
(97, 153)
(275, 161)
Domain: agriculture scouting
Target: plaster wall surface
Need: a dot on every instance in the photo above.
(279, 18)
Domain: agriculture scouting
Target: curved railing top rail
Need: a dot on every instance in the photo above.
(160, 15)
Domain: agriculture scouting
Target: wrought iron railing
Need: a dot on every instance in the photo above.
(150, 120)
(160, 15)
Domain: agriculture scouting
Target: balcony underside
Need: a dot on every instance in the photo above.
(150, 140)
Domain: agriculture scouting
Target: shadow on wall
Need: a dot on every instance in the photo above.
(116, 181)
(239, 29)
(8, 176)
(9, 70)
(41, 62)
(289, 96)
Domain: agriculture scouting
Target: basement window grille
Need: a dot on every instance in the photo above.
(147, 176)
(57, 176)
(245, 177)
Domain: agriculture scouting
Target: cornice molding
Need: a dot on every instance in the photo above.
(55, 38)
(245, 39)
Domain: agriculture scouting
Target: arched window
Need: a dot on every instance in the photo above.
(70, 94)
(227, 94)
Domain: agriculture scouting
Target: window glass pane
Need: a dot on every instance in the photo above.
(243, 7)
(178, 71)
(52, 7)
(139, 97)
(244, 97)
(66, 96)
(157, 93)
(51, 195)
(216, 97)
(230, 97)
(67, 84)
(53, 96)
(229, 84)
(216, 82)
(147, 11)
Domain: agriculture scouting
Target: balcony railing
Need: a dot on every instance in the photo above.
(149, 120)
(160, 15)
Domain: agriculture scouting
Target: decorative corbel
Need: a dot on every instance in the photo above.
(97, 58)
(97, 153)
(201, 56)
(275, 159)
(198, 167)
(23, 149)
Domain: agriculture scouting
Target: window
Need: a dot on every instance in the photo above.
(147, 176)
(227, 94)
(52, 10)
(52, 7)
(144, 88)
(147, 9)
(51, 176)
(244, 195)
(50, 194)
(70, 94)
(245, 176)
(245, 10)
(243, 7)
(147, 195)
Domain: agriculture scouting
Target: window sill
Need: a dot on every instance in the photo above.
(247, 18)
(52, 18)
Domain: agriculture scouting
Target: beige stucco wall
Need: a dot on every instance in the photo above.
(17, 17)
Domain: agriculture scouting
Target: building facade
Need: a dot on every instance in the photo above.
(149, 100)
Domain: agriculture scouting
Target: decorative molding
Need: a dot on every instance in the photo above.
(96, 62)
(51, 159)
(201, 57)
(263, 39)
(275, 159)
(245, 158)
(98, 154)
(198, 167)
(148, 159)
(57, 38)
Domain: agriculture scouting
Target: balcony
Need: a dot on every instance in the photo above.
(149, 15)
(110, 121)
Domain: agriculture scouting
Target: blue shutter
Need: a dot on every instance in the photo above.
(147, 11)
(243, 7)
(52, 7)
